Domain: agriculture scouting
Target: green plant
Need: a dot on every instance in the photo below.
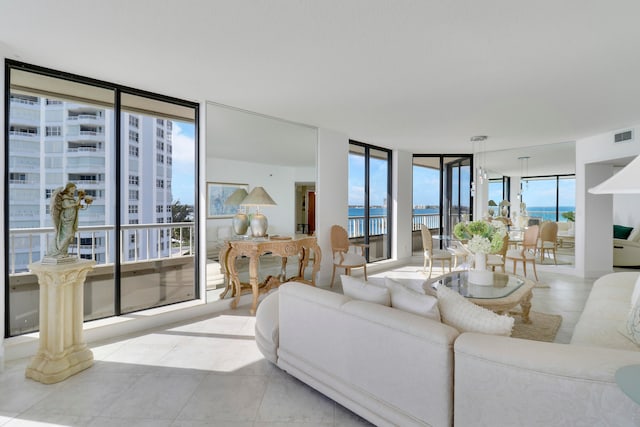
(482, 236)
(569, 216)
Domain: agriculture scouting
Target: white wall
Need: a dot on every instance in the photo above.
(595, 157)
(278, 181)
(332, 199)
(402, 193)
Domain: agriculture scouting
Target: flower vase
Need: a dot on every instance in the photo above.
(479, 275)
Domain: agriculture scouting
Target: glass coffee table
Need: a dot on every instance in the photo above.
(507, 291)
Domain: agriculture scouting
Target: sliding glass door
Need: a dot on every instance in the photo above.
(441, 193)
(457, 192)
(369, 196)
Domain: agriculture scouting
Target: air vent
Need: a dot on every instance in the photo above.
(625, 136)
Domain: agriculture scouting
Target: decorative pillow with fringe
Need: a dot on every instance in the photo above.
(465, 316)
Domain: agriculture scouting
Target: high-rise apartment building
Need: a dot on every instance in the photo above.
(52, 142)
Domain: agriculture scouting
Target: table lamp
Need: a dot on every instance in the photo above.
(492, 204)
(240, 220)
(626, 181)
(504, 207)
(258, 197)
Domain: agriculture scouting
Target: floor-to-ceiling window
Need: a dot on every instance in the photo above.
(134, 153)
(548, 197)
(441, 193)
(499, 190)
(369, 197)
(441, 190)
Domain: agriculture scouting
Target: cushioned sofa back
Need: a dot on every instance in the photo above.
(389, 366)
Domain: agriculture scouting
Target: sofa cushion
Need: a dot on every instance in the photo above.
(635, 235)
(635, 296)
(606, 312)
(465, 316)
(267, 326)
(415, 284)
(361, 290)
(621, 232)
(411, 301)
(633, 324)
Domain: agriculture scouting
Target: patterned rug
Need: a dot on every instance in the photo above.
(543, 327)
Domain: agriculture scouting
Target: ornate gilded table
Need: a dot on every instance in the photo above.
(302, 246)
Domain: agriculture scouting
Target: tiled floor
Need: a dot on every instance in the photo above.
(209, 372)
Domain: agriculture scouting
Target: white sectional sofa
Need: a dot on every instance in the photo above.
(507, 381)
(391, 367)
(397, 368)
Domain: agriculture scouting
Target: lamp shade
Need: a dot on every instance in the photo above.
(627, 181)
(236, 197)
(258, 197)
(492, 203)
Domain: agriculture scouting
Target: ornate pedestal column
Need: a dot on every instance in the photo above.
(62, 350)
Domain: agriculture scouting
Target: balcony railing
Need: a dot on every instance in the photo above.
(378, 224)
(37, 240)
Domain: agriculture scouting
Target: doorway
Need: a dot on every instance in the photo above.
(305, 201)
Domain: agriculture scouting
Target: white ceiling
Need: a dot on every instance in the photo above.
(422, 76)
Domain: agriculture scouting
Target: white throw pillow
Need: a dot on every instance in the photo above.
(361, 290)
(635, 234)
(408, 300)
(635, 296)
(633, 324)
(465, 316)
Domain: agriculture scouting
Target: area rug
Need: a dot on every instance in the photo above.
(541, 286)
(543, 327)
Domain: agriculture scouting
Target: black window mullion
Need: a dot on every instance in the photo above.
(557, 198)
(7, 289)
(367, 199)
(117, 304)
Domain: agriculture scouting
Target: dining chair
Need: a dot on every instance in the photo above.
(431, 254)
(526, 252)
(343, 257)
(548, 240)
(459, 253)
(498, 259)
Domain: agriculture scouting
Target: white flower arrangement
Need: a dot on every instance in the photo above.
(483, 237)
(479, 244)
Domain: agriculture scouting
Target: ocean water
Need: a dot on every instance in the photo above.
(544, 212)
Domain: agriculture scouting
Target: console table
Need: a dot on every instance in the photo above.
(302, 247)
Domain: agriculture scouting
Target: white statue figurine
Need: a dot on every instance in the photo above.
(64, 213)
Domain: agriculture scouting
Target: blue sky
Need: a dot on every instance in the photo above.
(541, 193)
(378, 178)
(426, 186)
(183, 171)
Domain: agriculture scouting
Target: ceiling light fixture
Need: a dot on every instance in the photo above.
(524, 169)
(480, 140)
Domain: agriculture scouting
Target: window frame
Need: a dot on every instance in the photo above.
(120, 141)
(557, 179)
(367, 157)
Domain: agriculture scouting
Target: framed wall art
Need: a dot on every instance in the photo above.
(217, 194)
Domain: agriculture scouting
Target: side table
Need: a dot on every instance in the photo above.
(628, 379)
